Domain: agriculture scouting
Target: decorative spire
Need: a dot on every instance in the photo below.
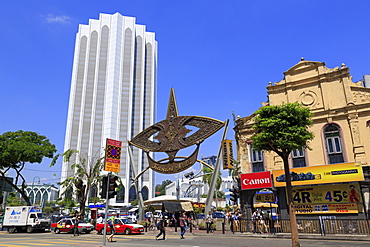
(172, 106)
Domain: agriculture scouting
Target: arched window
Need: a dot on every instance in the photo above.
(144, 193)
(132, 194)
(333, 144)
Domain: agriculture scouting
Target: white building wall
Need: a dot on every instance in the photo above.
(113, 91)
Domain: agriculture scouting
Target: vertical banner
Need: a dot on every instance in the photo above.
(112, 155)
(228, 157)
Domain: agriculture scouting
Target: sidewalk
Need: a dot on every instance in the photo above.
(344, 237)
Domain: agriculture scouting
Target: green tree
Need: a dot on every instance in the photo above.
(86, 175)
(19, 148)
(282, 129)
(14, 200)
(161, 188)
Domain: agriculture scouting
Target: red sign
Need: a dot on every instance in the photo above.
(256, 180)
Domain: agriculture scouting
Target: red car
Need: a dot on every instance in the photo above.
(123, 226)
(67, 225)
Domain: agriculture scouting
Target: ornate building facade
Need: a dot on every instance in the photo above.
(341, 120)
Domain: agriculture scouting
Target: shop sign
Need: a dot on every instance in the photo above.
(267, 197)
(338, 173)
(344, 208)
(256, 180)
(198, 205)
(338, 193)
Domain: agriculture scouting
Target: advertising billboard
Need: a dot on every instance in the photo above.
(338, 173)
(327, 194)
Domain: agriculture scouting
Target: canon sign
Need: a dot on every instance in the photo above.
(256, 180)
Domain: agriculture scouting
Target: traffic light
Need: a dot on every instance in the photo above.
(235, 194)
(112, 186)
(228, 157)
(103, 187)
(1, 200)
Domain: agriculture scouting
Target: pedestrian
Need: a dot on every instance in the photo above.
(173, 220)
(235, 221)
(268, 220)
(111, 222)
(75, 227)
(183, 224)
(162, 229)
(255, 217)
(133, 218)
(100, 219)
(209, 221)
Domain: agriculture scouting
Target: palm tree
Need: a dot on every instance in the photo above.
(87, 175)
(207, 178)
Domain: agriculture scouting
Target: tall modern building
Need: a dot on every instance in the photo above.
(113, 94)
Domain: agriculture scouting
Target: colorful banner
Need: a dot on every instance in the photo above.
(345, 208)
(256, 180)
(338, 173)
(338, 193)
(113, 155)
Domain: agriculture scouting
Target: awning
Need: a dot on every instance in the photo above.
(265, 205)
(177, 206)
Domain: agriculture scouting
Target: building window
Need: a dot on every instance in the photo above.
(333, 144)
(257, 160)
(298, 157)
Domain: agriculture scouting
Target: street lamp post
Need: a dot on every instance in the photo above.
(33, 190)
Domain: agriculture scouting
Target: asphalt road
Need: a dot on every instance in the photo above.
(148, 239)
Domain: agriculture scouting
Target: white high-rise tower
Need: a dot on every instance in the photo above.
(113, 94)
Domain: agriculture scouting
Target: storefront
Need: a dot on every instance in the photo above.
(256, 192)
(328, 190)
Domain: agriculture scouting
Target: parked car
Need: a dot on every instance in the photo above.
(122, 226)
(67, 225)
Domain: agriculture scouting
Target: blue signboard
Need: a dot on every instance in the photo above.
(97, 206)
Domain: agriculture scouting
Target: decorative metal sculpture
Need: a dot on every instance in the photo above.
(171, 136)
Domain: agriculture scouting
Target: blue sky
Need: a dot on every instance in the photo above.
(218, 55)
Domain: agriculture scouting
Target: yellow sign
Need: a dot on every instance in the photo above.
(331, 194)
(228, 157)
(113, 155)
(338, 173)
(345, 208)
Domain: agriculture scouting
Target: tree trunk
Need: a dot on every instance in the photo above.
(292, 217)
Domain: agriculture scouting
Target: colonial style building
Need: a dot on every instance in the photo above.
(341, 120)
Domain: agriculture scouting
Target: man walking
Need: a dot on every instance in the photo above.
(209, 221)
(183, 224)
(75, 230)
(162, 230)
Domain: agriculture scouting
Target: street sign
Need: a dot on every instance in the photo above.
(97, 206)
(113, 155)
